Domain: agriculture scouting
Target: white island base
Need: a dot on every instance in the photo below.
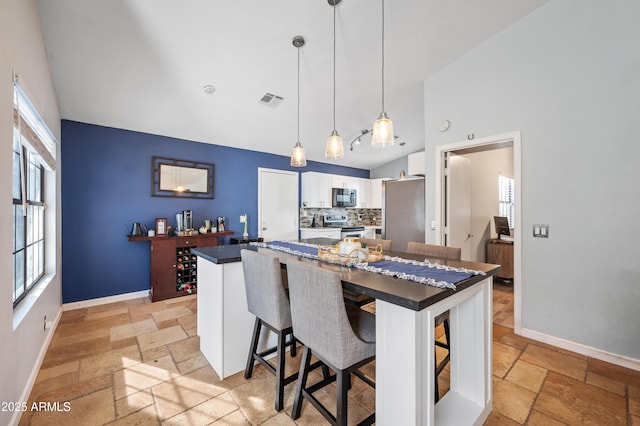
(405, 364)
(225, 326)
(404, 355)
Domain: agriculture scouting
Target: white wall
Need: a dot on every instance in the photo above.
(486, 166)
(391, 169)
(22, 48)
(568, 77)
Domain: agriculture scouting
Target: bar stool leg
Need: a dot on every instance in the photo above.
(302, 383)
(343, 382)
(254, 347)
(294, 349)
(280, 371)
(435, 371)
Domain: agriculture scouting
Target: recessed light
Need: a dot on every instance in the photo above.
(209, 89)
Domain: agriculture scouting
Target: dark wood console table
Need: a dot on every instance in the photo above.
(174, 271)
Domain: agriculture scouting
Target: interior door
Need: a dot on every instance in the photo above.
(277, 204)
(458, 207)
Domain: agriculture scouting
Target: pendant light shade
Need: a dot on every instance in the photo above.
(382, 133)
(298, 156)
(335, 146)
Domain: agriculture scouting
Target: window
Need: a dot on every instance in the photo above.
(33, 156)
(506, 198)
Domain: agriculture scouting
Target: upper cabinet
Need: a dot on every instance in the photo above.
(364, 193)
(375, 200)
(349, 182)
(361, 185)
(416, 164)
(316, 190)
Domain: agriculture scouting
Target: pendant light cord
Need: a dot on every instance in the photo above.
(383, 56)
(298, 140)
(334, 67)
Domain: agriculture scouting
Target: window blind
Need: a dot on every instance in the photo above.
(506, 198)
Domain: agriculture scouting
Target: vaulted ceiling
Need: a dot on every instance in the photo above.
(142, 65)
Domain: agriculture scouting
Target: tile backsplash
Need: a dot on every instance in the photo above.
(355, 217)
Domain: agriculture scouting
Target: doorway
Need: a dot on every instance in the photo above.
(277, 204)
(443, 208)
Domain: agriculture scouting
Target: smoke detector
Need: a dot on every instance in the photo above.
(271, 100)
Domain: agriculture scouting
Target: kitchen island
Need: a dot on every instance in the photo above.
(405, 313)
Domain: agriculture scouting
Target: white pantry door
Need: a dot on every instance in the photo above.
(459, 203)
(277, 204)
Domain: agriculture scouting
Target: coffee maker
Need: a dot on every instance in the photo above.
(187, 220)
(221, 223)
(184, 221)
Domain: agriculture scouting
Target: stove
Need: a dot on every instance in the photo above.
(340, 221)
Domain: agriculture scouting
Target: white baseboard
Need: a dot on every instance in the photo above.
(28, 387)
(623, 361)
(104, 300)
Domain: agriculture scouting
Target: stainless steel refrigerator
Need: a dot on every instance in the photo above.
(403, 212)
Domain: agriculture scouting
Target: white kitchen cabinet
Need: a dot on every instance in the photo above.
(316, 190)
(320, 233)
(361, 185)
(375, 199)
(416, 163)
(348, 182)
(364, 193)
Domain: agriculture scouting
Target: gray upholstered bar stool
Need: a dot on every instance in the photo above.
(268, 301)
(442, 252)
(339, 335)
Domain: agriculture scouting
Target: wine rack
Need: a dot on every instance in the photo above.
(186, 270)
(172, 273)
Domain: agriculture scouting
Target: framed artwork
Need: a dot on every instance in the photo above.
(161, 226)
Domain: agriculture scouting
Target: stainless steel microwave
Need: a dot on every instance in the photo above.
(343, 197)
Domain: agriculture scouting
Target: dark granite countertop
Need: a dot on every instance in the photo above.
(408, 294)
(222, 254)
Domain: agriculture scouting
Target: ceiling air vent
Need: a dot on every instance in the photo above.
(269, 99)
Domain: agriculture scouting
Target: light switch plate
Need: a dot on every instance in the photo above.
(242, 219)
(541, 231)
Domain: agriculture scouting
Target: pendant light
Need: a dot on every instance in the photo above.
(298, 157)
(403, 174)
(335, 147)
(382, 133)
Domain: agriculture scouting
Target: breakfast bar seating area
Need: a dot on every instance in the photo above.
(406, 309)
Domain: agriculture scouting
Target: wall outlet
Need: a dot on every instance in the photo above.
(47, 324)
(541, 231)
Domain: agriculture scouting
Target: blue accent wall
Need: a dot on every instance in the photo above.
(106, 186)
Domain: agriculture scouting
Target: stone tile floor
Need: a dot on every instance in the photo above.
(138, 363)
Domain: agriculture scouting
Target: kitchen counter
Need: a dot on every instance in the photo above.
(405, 313)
